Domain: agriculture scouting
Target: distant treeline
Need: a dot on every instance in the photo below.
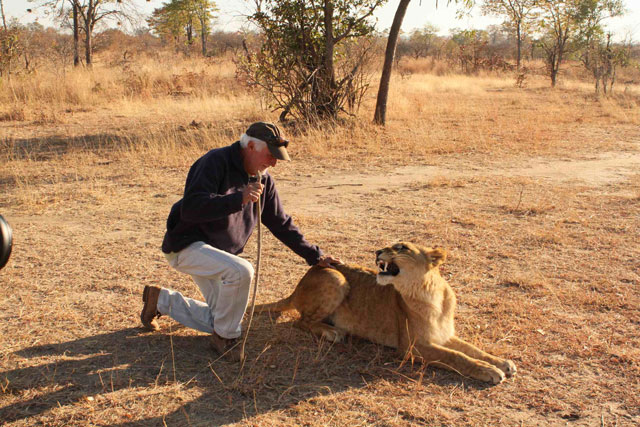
(33, 46)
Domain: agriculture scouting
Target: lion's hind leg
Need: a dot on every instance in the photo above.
(317, 296)
(321, 329)
(506, 366)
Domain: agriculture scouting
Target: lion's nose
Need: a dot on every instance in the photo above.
(378, 252)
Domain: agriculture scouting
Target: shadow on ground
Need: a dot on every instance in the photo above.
(285, 366)
(45, 148)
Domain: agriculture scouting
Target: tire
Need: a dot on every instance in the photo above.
(6, 241)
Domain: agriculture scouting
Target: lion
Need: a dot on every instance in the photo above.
(406, 305)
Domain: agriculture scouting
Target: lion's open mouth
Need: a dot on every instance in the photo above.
(388, 268)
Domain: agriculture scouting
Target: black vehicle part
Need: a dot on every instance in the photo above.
(6, 241)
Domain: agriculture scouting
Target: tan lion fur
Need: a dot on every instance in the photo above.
(412, 311)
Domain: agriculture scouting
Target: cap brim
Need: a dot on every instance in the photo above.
(279, 153)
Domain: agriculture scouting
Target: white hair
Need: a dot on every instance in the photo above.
(245, 139)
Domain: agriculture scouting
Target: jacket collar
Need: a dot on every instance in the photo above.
(236, 160)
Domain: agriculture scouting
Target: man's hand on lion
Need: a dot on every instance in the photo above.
(328, 260)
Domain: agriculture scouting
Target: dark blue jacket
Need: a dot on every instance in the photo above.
(211, 209)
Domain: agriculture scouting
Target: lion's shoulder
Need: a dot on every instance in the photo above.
(354, 269)
(357, 274)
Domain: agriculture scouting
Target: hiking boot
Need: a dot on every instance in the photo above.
(229, 348)
(150, 308)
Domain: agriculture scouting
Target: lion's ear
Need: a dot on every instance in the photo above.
(438, 255)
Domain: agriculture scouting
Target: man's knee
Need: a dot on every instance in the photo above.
(244, 271)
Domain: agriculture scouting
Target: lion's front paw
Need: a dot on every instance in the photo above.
(489, 373)
(333, 335)
(508, 367)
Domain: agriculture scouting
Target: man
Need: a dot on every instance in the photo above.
(209, 227)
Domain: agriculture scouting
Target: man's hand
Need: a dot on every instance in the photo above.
(251, 192)
(327, 260)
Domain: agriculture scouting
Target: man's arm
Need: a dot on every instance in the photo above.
(282, 226)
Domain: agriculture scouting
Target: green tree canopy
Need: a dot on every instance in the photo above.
(183, 18)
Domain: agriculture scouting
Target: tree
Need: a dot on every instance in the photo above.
(599, 56)
(184, 16)
(10, 46)
(564, 23)
(89, 13)
(559, 24)
(203, 10)
(171, 21)
(311, 54)
(602, 59)
(167, 23)
(76, 33)
(223, 41)
(380, 114)
(472, 45)
(518, 12)
(421, 41)
(10, 49)
(4, 19)
(58, 7)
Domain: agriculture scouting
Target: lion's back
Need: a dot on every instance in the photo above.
(357, 275)
(369, 310)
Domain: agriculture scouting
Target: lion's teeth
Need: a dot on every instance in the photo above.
(383, 265)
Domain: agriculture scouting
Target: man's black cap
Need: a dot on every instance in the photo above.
(269, 133)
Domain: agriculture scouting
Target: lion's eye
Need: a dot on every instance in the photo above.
(399, 247)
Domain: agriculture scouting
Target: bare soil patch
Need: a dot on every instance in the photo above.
(599, 171)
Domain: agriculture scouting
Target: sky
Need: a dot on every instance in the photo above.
(420, 12)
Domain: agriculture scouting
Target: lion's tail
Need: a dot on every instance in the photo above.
(278, 306)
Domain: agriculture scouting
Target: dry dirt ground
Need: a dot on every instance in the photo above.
(544, 258)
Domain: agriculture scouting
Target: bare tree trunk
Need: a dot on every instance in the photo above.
(554, 60)
(87, 47)
(532, 52)
(203, 36)
(380, 114)
(613, 80)
(328, 54)
(519, 41)
(76, 34)
(4, 20)
(556, 65)
(326, 86)
(4, 24)
(89, 22)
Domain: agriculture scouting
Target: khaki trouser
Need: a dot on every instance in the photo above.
(224, 281)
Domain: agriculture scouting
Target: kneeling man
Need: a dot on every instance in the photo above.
(208, 228)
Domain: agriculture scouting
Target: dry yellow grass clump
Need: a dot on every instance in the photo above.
(535, 193)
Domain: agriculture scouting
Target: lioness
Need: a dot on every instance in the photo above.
(407, 305)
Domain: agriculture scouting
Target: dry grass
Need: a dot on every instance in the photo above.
(545, 265)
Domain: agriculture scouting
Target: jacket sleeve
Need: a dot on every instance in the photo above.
(282, 226)
(202, 201)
